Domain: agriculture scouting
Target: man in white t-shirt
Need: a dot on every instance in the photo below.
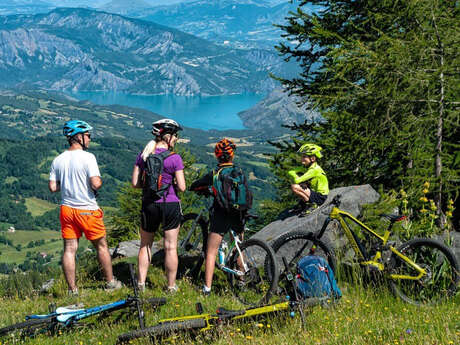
(76, 174)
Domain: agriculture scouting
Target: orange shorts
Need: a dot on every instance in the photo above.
(74, 222)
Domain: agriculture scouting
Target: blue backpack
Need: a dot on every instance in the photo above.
(315, 278)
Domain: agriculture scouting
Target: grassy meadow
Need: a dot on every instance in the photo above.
(362, 317)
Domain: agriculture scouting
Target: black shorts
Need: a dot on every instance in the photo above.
(317, 198)
(221, 222)
(153, 214)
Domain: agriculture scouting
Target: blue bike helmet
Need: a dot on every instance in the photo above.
(73, 127)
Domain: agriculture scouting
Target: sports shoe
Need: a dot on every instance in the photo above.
(205, 291)
(72, 293)
(114, 284)
(141, 287)
(172, 289)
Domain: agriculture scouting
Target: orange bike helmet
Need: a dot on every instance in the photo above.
(225, 149)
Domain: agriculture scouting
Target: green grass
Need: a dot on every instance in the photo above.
(362, 317)
(37, 207)
(11, 255)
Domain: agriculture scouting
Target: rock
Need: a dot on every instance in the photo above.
(47, 286)
(126, 249)
(129, 249)
(353, 198)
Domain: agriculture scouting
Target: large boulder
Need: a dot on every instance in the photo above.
(351, 201)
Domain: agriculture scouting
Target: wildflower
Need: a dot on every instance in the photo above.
(403, 193)
(424, 210)
(425, 190)
(268, 326)
(432, 205)
(248, 337)
(260, 325)
(424, 199)
(238, 330)
(232, 334)
(448, 214)
(426, 184)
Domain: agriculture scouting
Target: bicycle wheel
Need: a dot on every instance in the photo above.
(190, 248)
(437, 260)
(163, 329)
(297, 244)
(259, 282)
(28, 326)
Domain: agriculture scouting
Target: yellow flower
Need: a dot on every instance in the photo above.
(248, 337)
(448, 214)
(426, 184)
(425, 191)
(423, 210)
(260, 325)
(424, 199)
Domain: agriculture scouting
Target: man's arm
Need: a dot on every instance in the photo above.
(96, 182)
(54, 186)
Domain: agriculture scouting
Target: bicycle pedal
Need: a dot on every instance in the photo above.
(199, 308)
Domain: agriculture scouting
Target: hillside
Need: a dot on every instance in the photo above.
(30, 137)
(236, 23)
(276, 109)
(80, 49)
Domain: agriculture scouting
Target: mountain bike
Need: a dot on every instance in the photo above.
(419, 271)
(64, 317)
(204, 322)
(249, 265)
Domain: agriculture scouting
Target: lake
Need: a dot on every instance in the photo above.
(213, 112)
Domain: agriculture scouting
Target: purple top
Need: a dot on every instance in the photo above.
(172, 164)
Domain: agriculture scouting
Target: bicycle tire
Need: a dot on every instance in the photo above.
(163, 329)
(29, 325)
(296, 240)
(261, 280)
(192, 257)
(442, 272)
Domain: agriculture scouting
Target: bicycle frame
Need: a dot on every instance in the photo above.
(66, 316)
(236, 242)
(343, 216)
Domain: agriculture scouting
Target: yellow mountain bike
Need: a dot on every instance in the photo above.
(419, 271)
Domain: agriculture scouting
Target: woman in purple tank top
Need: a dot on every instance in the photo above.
(165, 210)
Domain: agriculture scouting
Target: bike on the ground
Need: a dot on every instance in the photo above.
(419, 271)
(250, 265)
(205, 321)
(64, 317)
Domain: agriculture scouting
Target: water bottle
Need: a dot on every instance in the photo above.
(222, 252)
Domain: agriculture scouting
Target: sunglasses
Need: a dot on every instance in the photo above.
(88, 135)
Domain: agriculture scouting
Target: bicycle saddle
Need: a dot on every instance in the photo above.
(393, 217)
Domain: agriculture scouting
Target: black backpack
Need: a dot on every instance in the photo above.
(231, 189)
(154, 188)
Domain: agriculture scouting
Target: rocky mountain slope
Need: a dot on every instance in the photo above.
(276, 109)
(80, 49)
(236, 23)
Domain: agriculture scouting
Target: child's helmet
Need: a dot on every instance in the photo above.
(165, 126)
(225, 148)
(74, 127)
(310, 150)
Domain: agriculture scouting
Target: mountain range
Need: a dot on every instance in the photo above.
(81, 49)
(237, 23)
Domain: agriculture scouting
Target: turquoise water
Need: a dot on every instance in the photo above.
(216, 112)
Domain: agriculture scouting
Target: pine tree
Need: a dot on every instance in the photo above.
(384, 74)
